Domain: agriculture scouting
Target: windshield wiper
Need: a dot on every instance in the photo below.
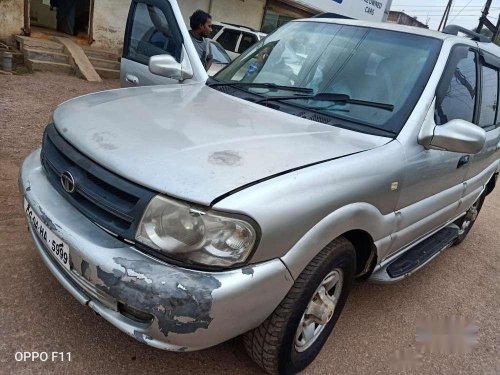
(330, 97)
(263, 85)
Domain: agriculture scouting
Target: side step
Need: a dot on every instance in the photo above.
(417, 257)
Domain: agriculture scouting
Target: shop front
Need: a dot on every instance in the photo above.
(279, 12)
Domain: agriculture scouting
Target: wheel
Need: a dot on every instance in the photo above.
(466, 222)
(290, 339)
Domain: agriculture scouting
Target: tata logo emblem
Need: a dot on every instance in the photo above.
(68, 182)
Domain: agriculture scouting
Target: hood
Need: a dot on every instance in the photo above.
(196, 143)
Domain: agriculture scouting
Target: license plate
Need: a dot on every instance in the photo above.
(55, 245)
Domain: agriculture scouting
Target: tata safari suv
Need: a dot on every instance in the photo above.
(189, 213)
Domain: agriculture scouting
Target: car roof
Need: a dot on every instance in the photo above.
(237, 27)
(491, 48)
(382, 26)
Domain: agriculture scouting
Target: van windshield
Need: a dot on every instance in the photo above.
(363, 64)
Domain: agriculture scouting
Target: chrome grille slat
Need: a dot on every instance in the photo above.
(107, 199)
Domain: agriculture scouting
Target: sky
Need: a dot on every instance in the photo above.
(465, 13)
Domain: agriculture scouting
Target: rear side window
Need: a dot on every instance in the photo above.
(489, 97)
(247, 40)
(228, 39)
(457, 92)
(215, 30)
(153, 32)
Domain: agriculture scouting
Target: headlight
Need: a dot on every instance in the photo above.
(184, 233)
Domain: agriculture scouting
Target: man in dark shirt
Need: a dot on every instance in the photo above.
(201, 29)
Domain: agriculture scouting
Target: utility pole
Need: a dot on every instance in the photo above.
(446, 14)
(484, 21)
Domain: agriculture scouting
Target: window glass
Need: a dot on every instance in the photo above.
(228, 39)
(153, 35)
(247, 40)
(364, 63)
(457, 92)
(489, 97)
(219, 54)
(215, 30)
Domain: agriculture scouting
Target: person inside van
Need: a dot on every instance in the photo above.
(201, 29)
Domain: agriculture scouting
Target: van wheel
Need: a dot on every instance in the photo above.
(466, 222)
(289, 340)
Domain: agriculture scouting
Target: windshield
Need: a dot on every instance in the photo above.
(366, 64)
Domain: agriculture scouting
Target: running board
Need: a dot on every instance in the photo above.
(416, 257)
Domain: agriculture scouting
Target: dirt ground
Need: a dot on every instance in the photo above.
(37, 314)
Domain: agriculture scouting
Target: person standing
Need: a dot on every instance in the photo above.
(201, 29)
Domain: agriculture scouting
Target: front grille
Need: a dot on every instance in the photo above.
(110, 201)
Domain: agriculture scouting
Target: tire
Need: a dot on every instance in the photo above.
(274, 345)
(466, 222)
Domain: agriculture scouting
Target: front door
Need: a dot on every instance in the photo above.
(156, 27)
(434, 182)
(483, 164)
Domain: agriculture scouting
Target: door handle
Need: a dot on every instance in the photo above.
(132, 79)
(464, 160)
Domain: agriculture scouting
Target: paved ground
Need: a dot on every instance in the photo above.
(37, 314)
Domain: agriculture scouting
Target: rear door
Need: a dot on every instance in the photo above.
(230, 39)
(156, 27)
(247, 40)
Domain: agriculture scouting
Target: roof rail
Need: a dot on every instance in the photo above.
(243, 27)
(454, 30)
(332, 15)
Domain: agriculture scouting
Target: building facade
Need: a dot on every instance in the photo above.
(402, 18)
(102, 22)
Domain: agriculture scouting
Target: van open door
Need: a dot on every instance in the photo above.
(156, 28)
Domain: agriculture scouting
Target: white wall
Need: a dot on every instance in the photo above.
(110, 16)
(187, 7)
(110, 20)
(11, 19)
(242, 12)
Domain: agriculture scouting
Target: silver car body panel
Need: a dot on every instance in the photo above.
(218, 150)
(192, 309)
(139, 74)
(304, 183)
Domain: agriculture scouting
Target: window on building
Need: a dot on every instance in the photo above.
(153, 35)
(247, 40)
(273, 20)
(489, 97)
(228, 39)
(456, 96)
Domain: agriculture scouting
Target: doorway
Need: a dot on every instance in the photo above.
(72, 17)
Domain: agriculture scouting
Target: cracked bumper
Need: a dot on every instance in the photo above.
(188, 310)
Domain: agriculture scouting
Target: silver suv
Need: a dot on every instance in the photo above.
(191, 213)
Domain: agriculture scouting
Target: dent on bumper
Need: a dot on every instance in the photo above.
(191, 310)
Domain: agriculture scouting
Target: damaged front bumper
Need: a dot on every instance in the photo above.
(162, 305)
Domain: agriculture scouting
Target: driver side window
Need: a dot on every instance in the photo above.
(153, 32)
(457, 91)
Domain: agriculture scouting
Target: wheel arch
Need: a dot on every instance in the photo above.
(361, 223)
(490, 186)
(366, 251)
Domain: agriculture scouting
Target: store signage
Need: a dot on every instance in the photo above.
(369, 10)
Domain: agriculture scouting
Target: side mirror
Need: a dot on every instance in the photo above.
(458, 136)
(167, 66)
